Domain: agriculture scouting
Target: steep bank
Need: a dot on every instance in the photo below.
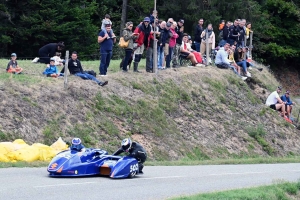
(199, 113)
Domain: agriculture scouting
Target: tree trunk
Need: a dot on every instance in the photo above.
(124, 16)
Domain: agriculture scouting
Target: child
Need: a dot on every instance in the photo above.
(107, 20)
(12, 66)
(58, 60)
(51, 70)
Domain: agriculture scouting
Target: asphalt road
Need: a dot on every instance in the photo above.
(158, 182)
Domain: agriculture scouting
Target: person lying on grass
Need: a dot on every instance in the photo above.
(12, 66)
(51, 70)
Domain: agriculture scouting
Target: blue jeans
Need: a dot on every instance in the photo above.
(242, 64)
(128, 53)
(105, 60)
(160, 56)
(169, 57)
(87, 76)
(197, 45)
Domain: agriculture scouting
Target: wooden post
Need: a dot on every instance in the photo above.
(123, 16)
(66, 70)
(154, 56)
(250, 45)
(207, 49)
(245, 42)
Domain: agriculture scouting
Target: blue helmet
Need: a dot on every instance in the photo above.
(126, 144)
(76, 144)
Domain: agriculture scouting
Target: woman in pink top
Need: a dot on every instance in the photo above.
(172, 44)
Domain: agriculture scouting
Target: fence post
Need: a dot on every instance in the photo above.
(245, 44)
(66, 70)
(250, 45)
(207, 48)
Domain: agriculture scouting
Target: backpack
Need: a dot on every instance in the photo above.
(91, 72)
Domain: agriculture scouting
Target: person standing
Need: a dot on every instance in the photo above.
(128, 36)
(142, 42)
(160, 45)
(211, 40)
(106, 46)
(198, 30)
(179, 30)
(172, 44)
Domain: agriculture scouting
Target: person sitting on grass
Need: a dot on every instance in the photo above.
(12, 66)
(186, 51)
(288, 103)
(274, 102)
(51, 70)
(75, 68)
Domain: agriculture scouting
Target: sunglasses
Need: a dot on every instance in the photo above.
(131, 26)
(146, 22)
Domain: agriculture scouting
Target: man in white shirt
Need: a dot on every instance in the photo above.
(274, 101)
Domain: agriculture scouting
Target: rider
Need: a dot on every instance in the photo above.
(76, 145)
(135, 150)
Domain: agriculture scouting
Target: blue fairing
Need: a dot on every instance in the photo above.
(74, 163)
(119, 167)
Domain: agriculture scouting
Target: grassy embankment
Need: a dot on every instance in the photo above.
(167, 103)
(279, 191)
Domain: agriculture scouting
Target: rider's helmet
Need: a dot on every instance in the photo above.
(126, 144)
(76, 144)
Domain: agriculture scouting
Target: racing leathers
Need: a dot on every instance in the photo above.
(136, 151)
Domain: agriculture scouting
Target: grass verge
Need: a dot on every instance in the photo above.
(282, 190)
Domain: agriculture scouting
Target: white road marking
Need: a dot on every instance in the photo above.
(63, 184)
(167, 177)
(162, 177)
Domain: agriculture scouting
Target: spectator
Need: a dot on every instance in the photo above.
(142, 42)
(288, 103)
(161, 44)
(242, 33)
(221, 25)
(248, 29)
(153, 16)
(58, 60)
(106, 46)
(198, 31)
(48, 51)
(172, 44)
(223, 62)
(233, 32)
(166, 40)
(75, 68)
(106, 21)
(51, 70)
(230, 53)
(274, 102)
(225, 34)
(179, 30)
(128, 36)
(188, 53)
(240, 60)
(211, 40)
(12, 66)
(171, 20)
